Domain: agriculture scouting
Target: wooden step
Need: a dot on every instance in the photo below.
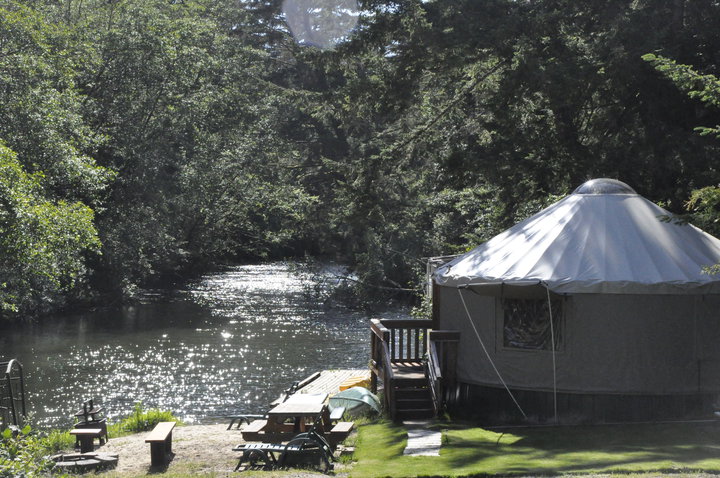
(415, 414)
(413, 403)
(410, 383)
(410, 393)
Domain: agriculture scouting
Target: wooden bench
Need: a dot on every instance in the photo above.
(86, 436)
(252, 431)
(343, 427)
(340, 432)
(255, 426)
(337, 414)
(242, 418)
(160, 440)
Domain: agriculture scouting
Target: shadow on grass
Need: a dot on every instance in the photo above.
(469, 451)
(617, 448)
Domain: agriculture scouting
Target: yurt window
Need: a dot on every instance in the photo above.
(526, 323)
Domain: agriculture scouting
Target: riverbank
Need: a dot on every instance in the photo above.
(198, 450)
(208, 448)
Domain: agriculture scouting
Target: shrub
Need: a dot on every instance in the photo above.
(57, 440)
(142, 420)
(23, 453)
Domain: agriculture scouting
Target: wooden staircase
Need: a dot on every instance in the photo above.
(415, 369)
(413, 397)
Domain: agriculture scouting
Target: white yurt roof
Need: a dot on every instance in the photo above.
(603, 238)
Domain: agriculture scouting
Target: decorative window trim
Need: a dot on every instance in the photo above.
(523, 314)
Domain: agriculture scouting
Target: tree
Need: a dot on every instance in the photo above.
(704, 203)
(40, 107)
(42, 242)
(191, 115)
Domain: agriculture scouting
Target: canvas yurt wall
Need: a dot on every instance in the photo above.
(615, 287)
(657, 354)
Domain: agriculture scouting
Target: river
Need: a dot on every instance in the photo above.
(228, 343)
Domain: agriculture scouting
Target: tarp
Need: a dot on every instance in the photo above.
(603, 238)
(356, 400)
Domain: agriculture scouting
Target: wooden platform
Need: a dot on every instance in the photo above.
(329, 380)
(409, 370)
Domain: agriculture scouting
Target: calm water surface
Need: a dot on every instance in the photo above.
(229, 343)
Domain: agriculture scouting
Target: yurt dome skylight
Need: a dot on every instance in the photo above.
(604, 186)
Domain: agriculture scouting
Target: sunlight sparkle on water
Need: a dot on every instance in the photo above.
(227, 344)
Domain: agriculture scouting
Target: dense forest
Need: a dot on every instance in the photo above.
(144, 141)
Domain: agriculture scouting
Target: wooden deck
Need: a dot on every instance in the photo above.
(329, 380)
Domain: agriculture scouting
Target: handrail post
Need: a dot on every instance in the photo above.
(373, 361)
(446, 342)
(22, 388)
(373, 358)
(10, 365)
(378, 335)
(11, 396)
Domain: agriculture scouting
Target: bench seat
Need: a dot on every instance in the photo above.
(160, 440)
(100, 423)
(242, 418)
(337, 414)
(254, 431)
(254, 426)
(339, 433)
(343, 428)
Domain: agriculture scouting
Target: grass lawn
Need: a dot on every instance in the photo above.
(530, 451)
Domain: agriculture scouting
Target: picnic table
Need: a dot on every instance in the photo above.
(295, 415)
(308, 447)
(302, 409)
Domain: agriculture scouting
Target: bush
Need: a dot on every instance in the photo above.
(57, 440)
(141, 420)
(23, 453)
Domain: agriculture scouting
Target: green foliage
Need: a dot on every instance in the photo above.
(56, 441)
(442, 123)
(40, 107)
(42, 243)
(704, 208)
(193, 133)
(47, 177)
(143, 420)
(705, 88)
(191, 124)
(23, 454)
(704, 203)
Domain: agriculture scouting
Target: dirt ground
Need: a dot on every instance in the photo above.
(197, 449)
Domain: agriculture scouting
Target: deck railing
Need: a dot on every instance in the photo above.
(441, 366)
(408, 339)
(381, 363)
(434, 375)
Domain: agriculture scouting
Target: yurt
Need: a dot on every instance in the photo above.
(600, 308)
